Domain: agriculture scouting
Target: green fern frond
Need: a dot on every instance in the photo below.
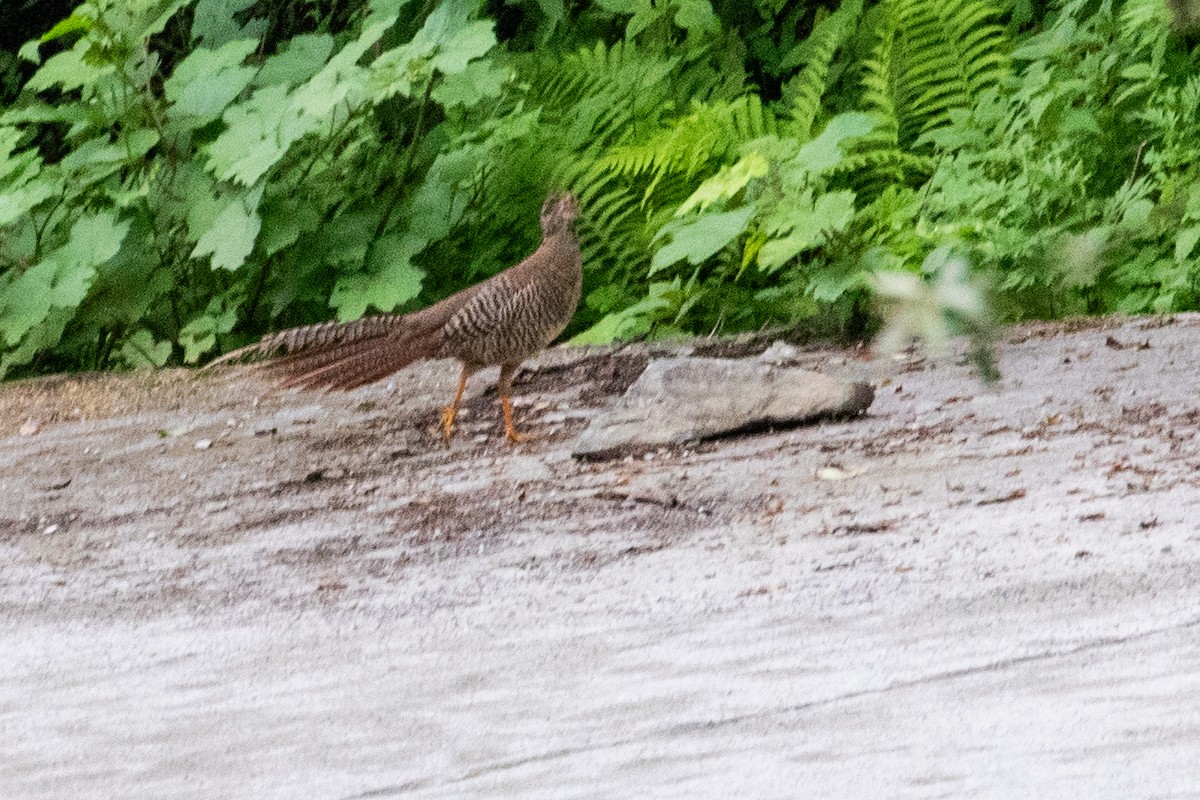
(597, 93)
(932, 56)
(955, 53)
(803, 93)
(614, 234)
(1144, 24)
(693, 143)
(877, 166)
(879, 84)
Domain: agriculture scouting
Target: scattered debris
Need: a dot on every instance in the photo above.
(1116, 344)
(1015, 494)
(834, 472)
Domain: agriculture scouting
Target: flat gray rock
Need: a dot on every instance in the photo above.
(678, 400)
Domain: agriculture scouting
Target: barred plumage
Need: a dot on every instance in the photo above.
(501, 321)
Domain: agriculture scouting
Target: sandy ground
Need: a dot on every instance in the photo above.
(210, 589)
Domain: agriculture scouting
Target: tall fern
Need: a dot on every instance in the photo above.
(802, 94)
(599, 94)
(952, 52)
(929, 57)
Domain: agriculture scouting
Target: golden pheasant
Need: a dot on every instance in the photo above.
(501, 321)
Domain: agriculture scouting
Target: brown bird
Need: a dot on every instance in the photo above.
(503, 320)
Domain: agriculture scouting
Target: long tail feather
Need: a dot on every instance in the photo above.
(314, 338)
(334, 355)
(351, 365)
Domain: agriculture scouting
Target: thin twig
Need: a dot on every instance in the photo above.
(1137, 160)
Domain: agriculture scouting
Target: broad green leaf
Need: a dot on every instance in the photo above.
(446, 42)
(728, 181)
(18, 243)
(661, 304)
(810, 225)
(93, 159)
(31, 51)
(252, 143)
(200, 335)
(376, 25)
(397, 281)
(554, 12)
(136, 142)
(397, 71)
(70, 113)
(99, 158)
(613, 327)
(623, 6)
(825, 152)
(1185, 242)
(830, 283)
(700, 238)
(325, 94)
(231, 237)
(70, 69)
(93, 240)
(465, 45)
(43, 336)
(9, 139)
(62, 278)
(429, 216)
(1192, 211)
(200, 197)
(304, 56)
(777, 252)
(641, 20)
(19, 200)
(26, 301)
(479, 81)
(384, 9)
(79, 22)
(447, 19)
(214, 22)
(140, 350)
(129, 286)
(696, 16)
(347, 237)
(160, 22)
(207, 81)
(71, 282)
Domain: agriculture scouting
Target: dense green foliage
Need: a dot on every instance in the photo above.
(179, 176)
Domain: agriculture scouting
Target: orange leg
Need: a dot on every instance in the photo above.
(504, 387)
(451, 410)
(510, 432)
